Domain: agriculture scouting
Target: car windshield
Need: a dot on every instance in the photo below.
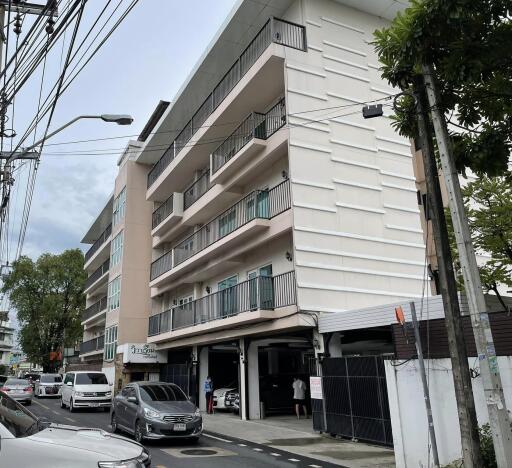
(13, 382)
(91, 378)
(161, 393)
(51, 379)
(15, 418)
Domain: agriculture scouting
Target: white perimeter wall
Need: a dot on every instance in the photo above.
(409, 417)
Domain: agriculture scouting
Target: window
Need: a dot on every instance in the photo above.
(69, 378)
(119, 207)
(114, 294)
(110, 343)
(161, 392)
(91, 378)
(51, 379)
(116, 249)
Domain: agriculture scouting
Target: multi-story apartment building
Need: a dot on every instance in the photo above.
(118, 263)
(274, 201)
(6, 338)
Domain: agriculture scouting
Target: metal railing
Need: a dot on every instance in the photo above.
(258, 293)
(98, 273)
(263, 204)
(99, 242)
(275, 30)
(96, 344)
(162, 212)
(197, 189)
(256, 125)
(94, 309)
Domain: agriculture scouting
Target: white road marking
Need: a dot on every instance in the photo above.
(69, 419)
(55, 412)
(293, 460)
(315, 466)
(242, 445)
(40, 404)
(256, 449)
(275, 454)
(218, 438)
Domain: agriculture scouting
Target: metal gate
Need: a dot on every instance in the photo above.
(355, 400)
(178, 374)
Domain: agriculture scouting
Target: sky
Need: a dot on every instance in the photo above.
(146, 60)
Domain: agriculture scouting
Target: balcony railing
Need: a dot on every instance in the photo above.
(256, 125)
(99, 242)
(97, 273)
(261, 292)
(162, 212)
(275, 30)
(94, 309)
(96, 344)
(196, 190)
(263, 204)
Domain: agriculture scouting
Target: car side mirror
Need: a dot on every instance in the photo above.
(69, 384)
(132, 399)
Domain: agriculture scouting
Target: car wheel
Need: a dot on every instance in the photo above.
(71, 407)
(113, 423)
(139, 432)
(62, 405)
(29, 402)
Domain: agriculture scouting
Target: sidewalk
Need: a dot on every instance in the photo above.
(297, 436)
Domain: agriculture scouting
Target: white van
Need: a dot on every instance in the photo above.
(86, 389)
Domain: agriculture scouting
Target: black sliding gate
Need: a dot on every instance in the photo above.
(355, 399)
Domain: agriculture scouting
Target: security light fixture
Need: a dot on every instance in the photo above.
(119, 119)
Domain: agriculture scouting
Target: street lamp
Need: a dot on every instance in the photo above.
(119, 119)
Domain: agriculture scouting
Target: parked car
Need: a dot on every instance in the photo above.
(18, 389)
(230, 398)
(219, 397)
(48, 385)
(28, 441)
(155, 410)
(86, 389)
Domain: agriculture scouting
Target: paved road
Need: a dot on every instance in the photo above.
(212, 451)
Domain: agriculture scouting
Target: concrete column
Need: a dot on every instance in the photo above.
(243, 388)
(253, 381)
(203, 373)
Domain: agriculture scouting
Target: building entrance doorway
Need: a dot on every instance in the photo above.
(223, 368)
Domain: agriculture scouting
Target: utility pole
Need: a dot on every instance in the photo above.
(491, 379)
(426, 393)
(468, 422)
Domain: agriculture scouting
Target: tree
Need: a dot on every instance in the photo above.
(488, 204)
(49, 300)
(466, 41)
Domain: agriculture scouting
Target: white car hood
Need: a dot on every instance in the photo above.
(222, 391)
(110, 446)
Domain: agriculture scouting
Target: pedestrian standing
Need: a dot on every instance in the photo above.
(208, 392)
(299, 396)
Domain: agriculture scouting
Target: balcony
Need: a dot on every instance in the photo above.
(94, 277)
(245, 218)
(275, 31)
(171, 210)
(248, 139)
(94, 309)
(98, 243)
(93, 346)
(251, 297)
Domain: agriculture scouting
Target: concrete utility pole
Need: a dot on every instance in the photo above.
(468, 422)
(498, 416)
(426, 393)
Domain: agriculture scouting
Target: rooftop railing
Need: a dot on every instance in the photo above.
(263, 204)
(94, 309)
(98, 273)
(275, 30)
(96, 344)
(99, 242)
(256, 125)
(259, 293)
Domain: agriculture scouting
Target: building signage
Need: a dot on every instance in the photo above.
(315, 386)
(143, 353)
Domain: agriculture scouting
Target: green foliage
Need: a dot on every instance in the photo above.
(467, 43)
(49, 300)
(487, 447)
(488, 203)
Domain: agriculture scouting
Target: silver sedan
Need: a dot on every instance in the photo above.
(19, 389)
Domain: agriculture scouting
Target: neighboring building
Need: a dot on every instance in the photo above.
(6, 338)
(274, 200)
(118, 263)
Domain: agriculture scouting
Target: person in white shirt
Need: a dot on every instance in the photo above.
(299, 396)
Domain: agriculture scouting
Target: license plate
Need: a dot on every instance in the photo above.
(95, 405)
(180, 427)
